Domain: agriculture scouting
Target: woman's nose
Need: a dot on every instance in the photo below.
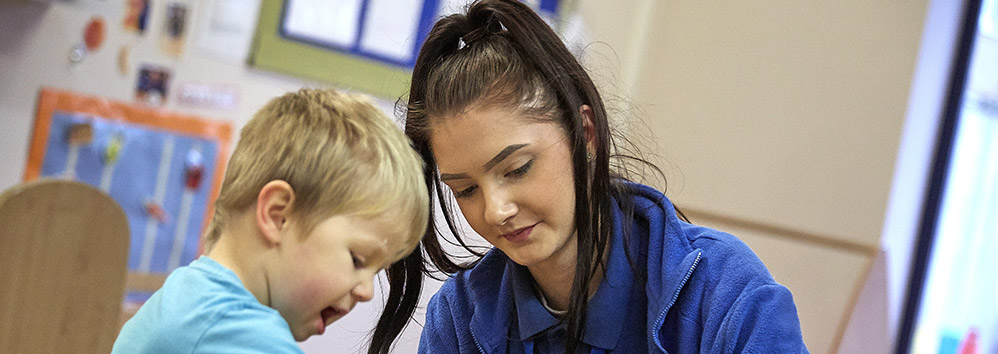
(499, 207)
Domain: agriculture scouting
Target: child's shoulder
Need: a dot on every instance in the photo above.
(203, 307)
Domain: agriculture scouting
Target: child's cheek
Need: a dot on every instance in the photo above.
(317, 289)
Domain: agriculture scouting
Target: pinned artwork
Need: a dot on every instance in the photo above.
(225, 29)
(211, 96)
(94, 35)
(136, 16)
(175, 30)
(152, 84)
(124, 63)
(163, 169)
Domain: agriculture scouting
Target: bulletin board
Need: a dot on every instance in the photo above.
(273, 51)
(386, 31)
(368, 45)
(164, 169)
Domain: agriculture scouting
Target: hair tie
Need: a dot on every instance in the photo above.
(474, 35)
(492, 26)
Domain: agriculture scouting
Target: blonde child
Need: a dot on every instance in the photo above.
(321, 193)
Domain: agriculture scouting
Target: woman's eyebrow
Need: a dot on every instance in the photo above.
(501, 156)
(488, 165)
(444, 177)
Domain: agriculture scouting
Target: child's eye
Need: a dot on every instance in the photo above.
(465, 192)
(357, 262)
(522, 170)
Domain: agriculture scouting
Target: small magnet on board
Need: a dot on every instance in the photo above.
(193, 169)
(81, 134)
(77, 53)
(156, 211)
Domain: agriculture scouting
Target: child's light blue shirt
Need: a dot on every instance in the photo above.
(204, 308)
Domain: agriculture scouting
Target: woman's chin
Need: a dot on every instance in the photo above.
(525, 256)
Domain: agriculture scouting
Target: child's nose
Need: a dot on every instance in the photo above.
(364, 291)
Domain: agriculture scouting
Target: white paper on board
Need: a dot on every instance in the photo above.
(390, 28)
(226, 29)
(332, 22)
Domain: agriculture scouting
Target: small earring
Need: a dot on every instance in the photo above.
(589, 156)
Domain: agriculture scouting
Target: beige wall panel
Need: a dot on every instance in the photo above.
(616, 28)
(782, 112)
(823, 280)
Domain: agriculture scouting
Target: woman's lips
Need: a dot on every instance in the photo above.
(520, 234)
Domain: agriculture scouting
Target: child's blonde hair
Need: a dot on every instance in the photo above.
(339, 153)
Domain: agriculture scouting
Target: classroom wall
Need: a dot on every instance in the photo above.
(778, 121)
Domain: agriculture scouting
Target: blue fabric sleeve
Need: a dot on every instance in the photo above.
(439, 331)
(762, 320)
(248, 331)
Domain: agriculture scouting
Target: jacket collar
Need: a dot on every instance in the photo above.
(606, 311)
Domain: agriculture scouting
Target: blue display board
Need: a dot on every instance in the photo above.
(164, 169)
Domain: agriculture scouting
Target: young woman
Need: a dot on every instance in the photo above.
(510, 123)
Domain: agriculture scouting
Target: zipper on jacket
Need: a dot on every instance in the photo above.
(476, 342)
(661, 316)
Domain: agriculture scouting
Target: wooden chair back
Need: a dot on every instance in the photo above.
(63, 260)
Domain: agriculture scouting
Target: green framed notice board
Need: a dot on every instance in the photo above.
(366, 45)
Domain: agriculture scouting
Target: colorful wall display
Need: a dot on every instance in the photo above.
(164, 169)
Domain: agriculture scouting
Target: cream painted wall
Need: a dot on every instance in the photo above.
(778, 121)
(784, 112)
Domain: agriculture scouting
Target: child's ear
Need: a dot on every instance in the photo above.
(272, 206)
(588, 128)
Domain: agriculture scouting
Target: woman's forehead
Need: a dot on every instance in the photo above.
(486, 122)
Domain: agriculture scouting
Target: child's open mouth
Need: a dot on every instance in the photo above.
(329, 314)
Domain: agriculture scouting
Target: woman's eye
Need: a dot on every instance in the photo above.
(522, 170)
(465, 192)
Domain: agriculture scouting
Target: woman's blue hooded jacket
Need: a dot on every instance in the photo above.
(706, 293)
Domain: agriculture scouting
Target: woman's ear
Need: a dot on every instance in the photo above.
(272, 207)
(588, 128)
